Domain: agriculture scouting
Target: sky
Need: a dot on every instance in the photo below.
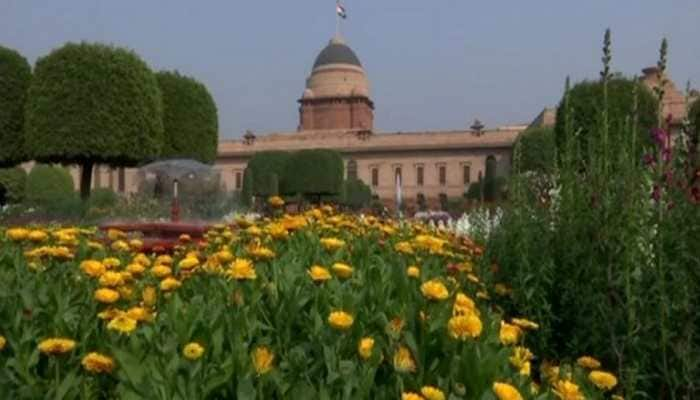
(433, 65)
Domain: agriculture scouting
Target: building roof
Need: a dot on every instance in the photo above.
(337, 52)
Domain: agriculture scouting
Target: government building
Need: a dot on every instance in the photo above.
(336, 111)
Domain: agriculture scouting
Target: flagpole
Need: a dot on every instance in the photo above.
(337, 21)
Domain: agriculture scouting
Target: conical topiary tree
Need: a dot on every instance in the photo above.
(15, 76)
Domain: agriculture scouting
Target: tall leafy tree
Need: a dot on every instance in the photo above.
(15, 76)
(93, 104)
(537, 150)
(314, 173)
(190, 118)
(262, 168)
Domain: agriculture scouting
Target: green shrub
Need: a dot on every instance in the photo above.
(356, 194)
(537, 150)
(13, 181)
(247, 190)
(102, 198)
(314, 173)
(190, 118)
(262, 167)
(48, 185)
(15, 76)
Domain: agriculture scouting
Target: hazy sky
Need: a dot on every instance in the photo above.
(433, 64)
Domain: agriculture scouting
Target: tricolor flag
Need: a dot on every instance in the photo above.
(340, 10)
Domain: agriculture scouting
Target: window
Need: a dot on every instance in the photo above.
(239, 180)
(419, 175)
(442, 170)
(352, 169)
(467, 174)
(375, 176)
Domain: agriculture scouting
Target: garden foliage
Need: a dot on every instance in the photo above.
(92, 103)
(15, 76)
(262, 167)
(190, 118)
(537, 150)
(13, 181)
(47, 184)
(356, 194)
(314, 173)
(606, 256)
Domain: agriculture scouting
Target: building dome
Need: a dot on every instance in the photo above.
(337, 72)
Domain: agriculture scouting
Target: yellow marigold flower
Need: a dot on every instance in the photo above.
(224, 256)
(524, 323)
(332, 243)
(275, 201)
(98, 363)
(169, 284)
(464, 305)
(473, 278)
(106, 296)
(340, 320)
(109, 314)
(521, 359)
(505, 391)
(434, 290)
(150, 296)
(318, 273)
(509, 334)
(3, 342)
(254, 230)
(564, 389)
(126, 292)
(111, 279)
(463, 327)
(140, 314)
(403, 247)
(413, 271)
(111, 262)
(188, 263)
(603, 380)
(93, 268)
(411, 396)
(142, 259)
(432, 393)
(161, 271)
(115, 234)
(403, 360)
(365, 347)
(17, 234)
(37, 235)
(262, 360)
(342, 270)
(135, 244)
(164, 260)
(122, 323)
(56, 346)
(120, 245)
(95, 245)
(136, 268)
(242, 269)
(549, 371)
(588, 362)
(193, 351)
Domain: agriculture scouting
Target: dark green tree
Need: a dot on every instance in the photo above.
(48, 184)
(694, 119)
(247, 190)
(15, 76)
(356, 194)
(582, 109)
(314, 173)
(490, 181)
(190, 118)
(537, 150)
(262, 168)
(93, 104)
(13, 182)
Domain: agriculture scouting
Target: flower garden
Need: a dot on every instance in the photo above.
(316, 305)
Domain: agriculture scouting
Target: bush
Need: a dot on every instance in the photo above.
(585, 102)
(15, 76)
(102, 198)
(48, 185)
(13, 182)
(537, 150)
(356, 194)
(262, 167)
(314, 173)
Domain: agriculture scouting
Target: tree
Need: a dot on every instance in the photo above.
(314, 173)
(262, 167)
(694, 118)
(356, 194)
(490, 183)
(13, 182)
(48, 184)
(247, 190)
(190, 118)
(93, 104)
(15, 76)
(536, 150)
(581, 111)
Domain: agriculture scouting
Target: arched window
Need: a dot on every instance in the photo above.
(352, 169)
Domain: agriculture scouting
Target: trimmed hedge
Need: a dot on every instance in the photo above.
(15, 76)
(92, 103)
(315, 172)
(48, 185)
(14, 182)
(262, 167)
(537, 150)
(585, 103)
(356, 194)
(190, 118)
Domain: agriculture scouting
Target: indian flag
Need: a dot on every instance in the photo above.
(340, 10)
